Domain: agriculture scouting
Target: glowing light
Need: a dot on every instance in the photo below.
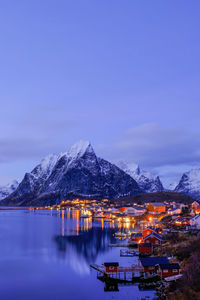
(63, 222)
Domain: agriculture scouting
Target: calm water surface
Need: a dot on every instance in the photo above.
(47, 255)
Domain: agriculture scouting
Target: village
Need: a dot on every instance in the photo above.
(149, 232)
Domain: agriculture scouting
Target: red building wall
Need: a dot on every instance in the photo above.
(111, 269)
(145, 250)
(153, 240)
(169, 272)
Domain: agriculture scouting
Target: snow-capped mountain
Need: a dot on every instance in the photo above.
(75, 173)
(8, 189)
(190, 184)
(146, 181)
(171, 186)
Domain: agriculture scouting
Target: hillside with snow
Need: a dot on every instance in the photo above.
(190, 183)
(146, 181)
(6, 190)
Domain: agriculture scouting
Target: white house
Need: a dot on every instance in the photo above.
(195, 205)
(135, 211)
(195, 221)
(174, 211)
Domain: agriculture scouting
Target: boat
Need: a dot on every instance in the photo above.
(85, 216)
(120, 234)
(108, 220)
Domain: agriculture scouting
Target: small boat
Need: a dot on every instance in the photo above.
(85, 216)
(99, 217)
(120, 234)
(108, 220)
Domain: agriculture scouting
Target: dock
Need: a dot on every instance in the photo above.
(128, 253)
(123, 274)
(118, 245)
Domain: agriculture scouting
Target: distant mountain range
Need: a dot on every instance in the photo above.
(190, 184)
(146, 181)
(8, 189)
(80, 173)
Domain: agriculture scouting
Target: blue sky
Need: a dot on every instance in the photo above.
(122, 74)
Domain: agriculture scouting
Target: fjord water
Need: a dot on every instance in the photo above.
(47, 255)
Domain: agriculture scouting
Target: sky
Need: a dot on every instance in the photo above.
(123, 74)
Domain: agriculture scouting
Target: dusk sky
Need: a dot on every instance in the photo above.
(123, 74)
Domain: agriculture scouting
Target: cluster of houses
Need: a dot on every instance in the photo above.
(150, 266)
(146, 240)
(159, 265)
(111, 211)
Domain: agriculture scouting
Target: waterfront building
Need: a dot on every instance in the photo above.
(156, 208)
(154, 238)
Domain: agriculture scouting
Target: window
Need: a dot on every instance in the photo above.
(174, 270)
(165, 271)
(156, 242)
(111, 268)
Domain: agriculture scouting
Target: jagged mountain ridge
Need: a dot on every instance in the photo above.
(76, 173)
(146, 181)
(189, 183)
(8, 189)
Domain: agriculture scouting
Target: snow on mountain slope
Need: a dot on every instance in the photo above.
(75, 173)
(190, 183)
(146, 181)
(8, 189)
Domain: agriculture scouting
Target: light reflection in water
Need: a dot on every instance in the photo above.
(85, 224)
(63, 222)
(102, 223)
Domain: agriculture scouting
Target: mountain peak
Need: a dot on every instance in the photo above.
(79, 149)
(146, 181)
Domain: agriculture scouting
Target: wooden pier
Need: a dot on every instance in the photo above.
(128, 253)
(118, 245)
(123, 274)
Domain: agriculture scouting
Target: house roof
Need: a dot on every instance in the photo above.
(139, 207)
(153, 261)
(169, 266)
(137, 234)
(150, 229)
(157, 204)
(111, 264)
(153, 234)
(174, 209)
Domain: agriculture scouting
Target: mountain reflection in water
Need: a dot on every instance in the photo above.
(87, 244)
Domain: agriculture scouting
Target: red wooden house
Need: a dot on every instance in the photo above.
(153, 238)
(145, 249)
(151, 264)
(147, 231)
(136, 238)
(111, 267)
(167, 270)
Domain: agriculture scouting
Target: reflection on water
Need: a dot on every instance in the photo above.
(47, 254)
(88, 244)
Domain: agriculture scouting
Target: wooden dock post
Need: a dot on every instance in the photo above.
(133, 275)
